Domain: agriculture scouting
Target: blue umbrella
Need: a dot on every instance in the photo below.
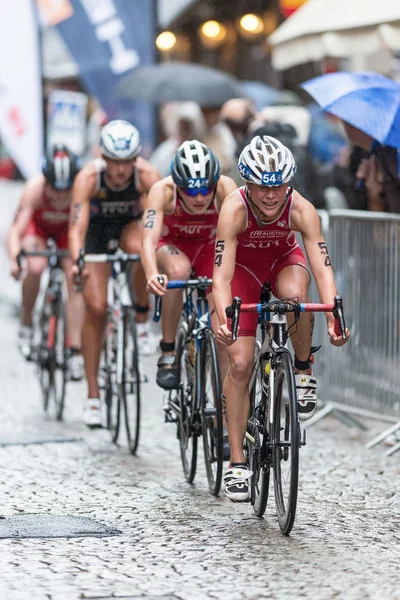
(368, 101)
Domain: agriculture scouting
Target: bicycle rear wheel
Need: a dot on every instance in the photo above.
(130, 383)
(258, 450)
(211, 412)
(108, 371)
(285, 431)
(187, 434)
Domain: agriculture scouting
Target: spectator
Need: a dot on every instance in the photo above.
(181, 122)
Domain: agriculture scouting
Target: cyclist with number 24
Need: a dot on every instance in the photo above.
(180, 221)
(256, 243)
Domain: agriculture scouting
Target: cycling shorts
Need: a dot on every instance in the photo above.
(103, 235)
(58, 233)
(248, 281)
(201, 256)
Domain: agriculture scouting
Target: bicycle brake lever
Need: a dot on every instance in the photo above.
(233, 312)
(340, 325)
(158, 303)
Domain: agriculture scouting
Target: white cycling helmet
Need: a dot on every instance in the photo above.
(120, 140)
(194, 161)
(266, 161)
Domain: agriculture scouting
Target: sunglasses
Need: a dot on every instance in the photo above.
(192, 192)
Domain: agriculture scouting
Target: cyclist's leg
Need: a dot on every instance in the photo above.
(31, 282)
(293, 281)
(236, 392)
(176, 265)
(95, 295)
(290, 279)
(75, 316)
(130, 242)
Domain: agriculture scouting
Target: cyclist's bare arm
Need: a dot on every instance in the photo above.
(31, 199)
(83, 189)
(155, 206)
(147, 175)
(305, 220)
(231, 222)
(225, 187)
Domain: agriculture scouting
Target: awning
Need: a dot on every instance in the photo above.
(337, 28)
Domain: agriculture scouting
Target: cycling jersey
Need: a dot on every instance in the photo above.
(263, 251)
(111, 211)
(192, 234)
(108, 203)
(50, 220)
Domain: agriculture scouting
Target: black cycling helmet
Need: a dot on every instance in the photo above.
(60, 167)
(194, 161)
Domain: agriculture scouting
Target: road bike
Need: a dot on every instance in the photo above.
(196, 405)
(50, 344)
(273, 437)
(119, 369)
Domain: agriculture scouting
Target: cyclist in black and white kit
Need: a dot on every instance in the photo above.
(106, 212)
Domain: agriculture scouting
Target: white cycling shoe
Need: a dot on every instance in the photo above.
(306, 387)
(146, 339)
(92, 413)
(236, 483)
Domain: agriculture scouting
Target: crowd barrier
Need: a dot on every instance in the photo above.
(363, 377)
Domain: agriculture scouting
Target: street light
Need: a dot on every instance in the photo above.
(212, 33)
(165, 41)
(251, 24)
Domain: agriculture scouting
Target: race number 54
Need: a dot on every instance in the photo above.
(219, 250)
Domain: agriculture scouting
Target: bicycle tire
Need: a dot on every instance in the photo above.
(109, 387)
(59, 359)
(129, 387)
(42, 356)
(188, 437)
(258, 452)
(211, 413)
(286, 443)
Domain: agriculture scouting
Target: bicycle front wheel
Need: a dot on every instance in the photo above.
(130, 382)
(188, 428)
(257, 442)
(108, 384)
(59, 359)
(211, 412)
(286, 443)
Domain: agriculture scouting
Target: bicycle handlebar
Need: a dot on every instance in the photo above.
(118, 256)
(282, 307)
(52, 253)
(201, 282)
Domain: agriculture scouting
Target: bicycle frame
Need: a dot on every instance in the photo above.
(121, 293)
(198, 321)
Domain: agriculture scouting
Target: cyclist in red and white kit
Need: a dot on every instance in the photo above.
(180, 221)
(43, 213)
(256, 243)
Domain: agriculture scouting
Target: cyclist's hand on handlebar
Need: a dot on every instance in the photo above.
(337, 340)
(224, 336)
(79, 278)
(155, 286)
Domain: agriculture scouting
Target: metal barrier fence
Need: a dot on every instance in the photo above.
(363, 377)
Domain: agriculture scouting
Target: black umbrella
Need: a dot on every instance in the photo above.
(180, 82)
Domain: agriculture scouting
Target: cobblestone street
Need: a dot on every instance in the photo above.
(176, 541)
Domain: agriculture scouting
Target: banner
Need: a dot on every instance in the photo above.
(66, 120)
(21, 118)
(108, 38)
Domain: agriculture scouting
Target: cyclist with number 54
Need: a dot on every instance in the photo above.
(256, 243)
(180, 221)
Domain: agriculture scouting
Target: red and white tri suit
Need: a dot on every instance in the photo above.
(263, 250)
(193, 234)
(50, 221)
